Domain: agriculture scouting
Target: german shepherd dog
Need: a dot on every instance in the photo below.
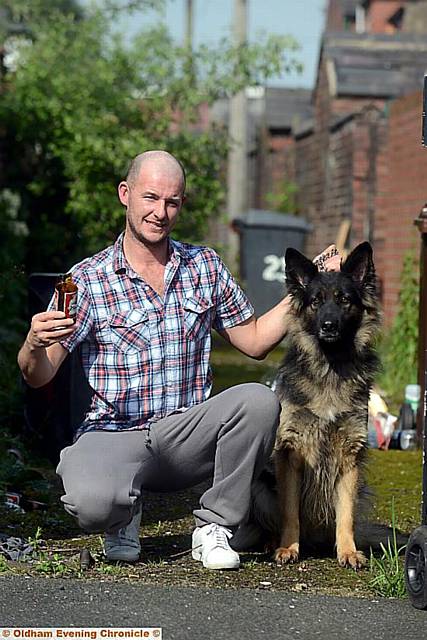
(323, 385)
(324, 388)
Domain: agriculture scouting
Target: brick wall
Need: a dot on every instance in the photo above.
(276, 166)
(371, 169)
(401, 193)
(334, 16)
(368, 142)
(379, 14)
(335, 171)
(307, 179)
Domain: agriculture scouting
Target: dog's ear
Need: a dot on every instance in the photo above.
(359, 264)
(299, 270)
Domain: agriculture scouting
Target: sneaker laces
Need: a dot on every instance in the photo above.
(221, 535)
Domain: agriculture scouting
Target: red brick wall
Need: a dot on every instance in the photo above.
(368, 141)
(331, 166)
(307, 179)
(334, 17)
(325, 199)
(276, 168)
(372, 169)
(338, 195)
(402, 191)
(379, 14)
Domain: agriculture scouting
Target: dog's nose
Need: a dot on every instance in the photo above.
(328, 326)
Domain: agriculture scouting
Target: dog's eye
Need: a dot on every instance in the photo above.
(315, 302)
(345, 300)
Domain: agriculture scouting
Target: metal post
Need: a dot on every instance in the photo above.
(424, 441)
(237, 157)
(188, 37)
(421, 223)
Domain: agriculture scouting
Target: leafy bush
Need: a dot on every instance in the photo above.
(400, 346)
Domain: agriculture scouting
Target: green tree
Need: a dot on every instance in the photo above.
(80, 104)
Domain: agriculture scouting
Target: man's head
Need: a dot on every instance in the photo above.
(153, 194)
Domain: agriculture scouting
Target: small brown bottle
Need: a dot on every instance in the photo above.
(66, 296)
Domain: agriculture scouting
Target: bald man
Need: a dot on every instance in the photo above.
(146, 307)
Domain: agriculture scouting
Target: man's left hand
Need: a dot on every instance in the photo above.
(329, 259)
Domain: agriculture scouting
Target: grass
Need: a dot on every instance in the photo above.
(388, 575)
(168, 523)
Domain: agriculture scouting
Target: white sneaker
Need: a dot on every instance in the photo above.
(124, 545)
(210, 546)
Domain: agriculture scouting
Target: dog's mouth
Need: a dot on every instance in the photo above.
(329, 336)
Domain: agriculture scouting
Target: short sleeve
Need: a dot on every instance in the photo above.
(232, 304)
(84, 316)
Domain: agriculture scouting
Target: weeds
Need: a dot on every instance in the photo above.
(53, 565)
(36, 542)
(49, 564)
(110, 569)
(389, 578)
(4, 566)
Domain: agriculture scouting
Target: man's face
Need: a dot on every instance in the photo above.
(153, 203)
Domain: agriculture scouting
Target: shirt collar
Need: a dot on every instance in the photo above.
(121, 265)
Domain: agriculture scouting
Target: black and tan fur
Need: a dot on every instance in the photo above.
(323, 385)
(324, 389)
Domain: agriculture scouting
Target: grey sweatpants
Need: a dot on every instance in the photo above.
(227, 438)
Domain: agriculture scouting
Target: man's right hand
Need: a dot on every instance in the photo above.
(49, 327)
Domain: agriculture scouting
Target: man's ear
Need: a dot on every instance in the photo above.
(359, 264)
(299, 270)
(123, 191)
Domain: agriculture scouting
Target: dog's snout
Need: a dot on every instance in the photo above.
(329, 325)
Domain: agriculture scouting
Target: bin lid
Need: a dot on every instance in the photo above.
(271, 219)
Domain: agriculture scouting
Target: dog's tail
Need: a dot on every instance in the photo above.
(376, 536)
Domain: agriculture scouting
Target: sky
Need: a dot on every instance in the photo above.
(303, 19)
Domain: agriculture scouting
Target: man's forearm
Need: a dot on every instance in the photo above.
(42, 354)
(35, 365)
(271, 328)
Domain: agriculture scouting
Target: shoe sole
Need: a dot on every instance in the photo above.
(120, 557)
(197, 555)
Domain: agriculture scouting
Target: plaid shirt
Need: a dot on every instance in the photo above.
(146, 357)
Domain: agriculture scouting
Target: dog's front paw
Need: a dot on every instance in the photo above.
(352, 559)
(287, 555)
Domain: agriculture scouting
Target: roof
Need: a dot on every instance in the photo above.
(349, 6)
(275, 108)
(271, 219)
(375, 65)
(285, 108)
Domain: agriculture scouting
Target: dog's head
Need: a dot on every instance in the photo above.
(331, 304)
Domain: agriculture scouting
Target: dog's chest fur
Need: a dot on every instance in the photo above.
(324, 407)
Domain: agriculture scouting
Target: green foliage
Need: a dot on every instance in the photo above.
(77, 119)
(400, 345)
(47, 563)
(389, 578)
(12, 301)
(4, 565)
(284, 199)
(37, 541)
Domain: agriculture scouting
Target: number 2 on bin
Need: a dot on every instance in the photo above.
(275, 269)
